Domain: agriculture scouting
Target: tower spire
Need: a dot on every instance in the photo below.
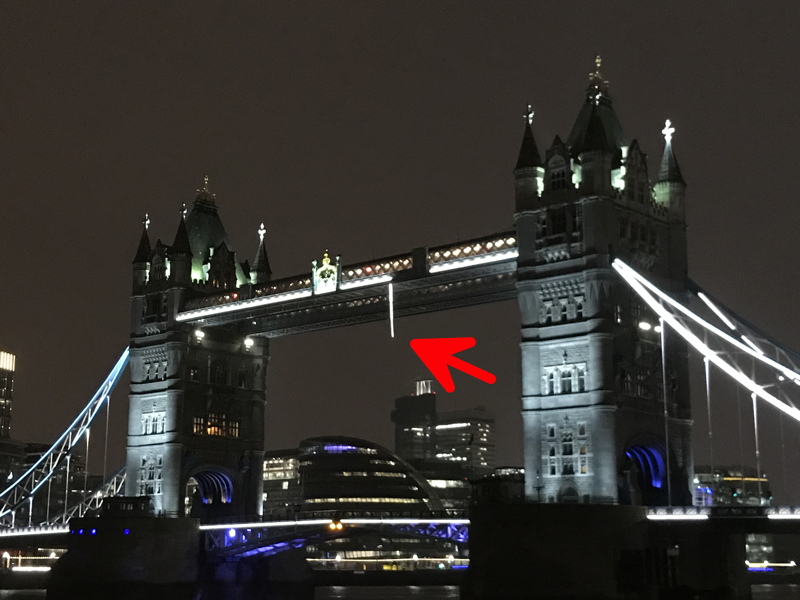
(528, 152)
(143, 251)
(669, 171)
(205, 194)
(261, 272)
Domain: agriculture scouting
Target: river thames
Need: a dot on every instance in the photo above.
(760, 592)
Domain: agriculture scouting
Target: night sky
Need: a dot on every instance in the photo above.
(368, 128)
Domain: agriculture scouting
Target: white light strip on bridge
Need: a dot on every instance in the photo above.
(20, 532)
(199, 313)
(265, 524)
(462, 263)
(365, 281)
(784, 517)
(405, 521)
(717, 311)
(677, 517)
(715, 330)
(747, 341)
(633, 280)
(391, 309)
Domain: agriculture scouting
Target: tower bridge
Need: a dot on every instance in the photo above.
(597, 261)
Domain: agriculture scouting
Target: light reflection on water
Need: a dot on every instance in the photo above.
(338, 592)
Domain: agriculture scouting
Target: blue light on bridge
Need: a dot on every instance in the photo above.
(127, 532)
(94, 531)
(80, 531)
(231, 533)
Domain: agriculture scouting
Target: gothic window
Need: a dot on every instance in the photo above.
(568, 467)
(194, 373)
(218, 373)
(551, 382)
(552, 466)
(566, 443)
(581, 372)
(579, 309)
(584, 469)
(581, 429)
(242, 378)
(164, 370)
(564, 311)
(566, 381)
(557, 172)
(551, 431)
(552, 451)
(583, 449)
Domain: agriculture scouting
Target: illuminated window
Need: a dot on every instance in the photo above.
(194, 373)
(581, 376)
(582, 429)
(551, 382)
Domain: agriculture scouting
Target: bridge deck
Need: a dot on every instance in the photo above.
(464, 274)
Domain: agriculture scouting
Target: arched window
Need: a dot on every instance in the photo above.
(552, 450)
(219, 374)
(551, 383)
(566, 381)
(566, 443)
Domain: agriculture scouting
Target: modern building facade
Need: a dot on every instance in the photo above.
(7, 367)
(593, 377)
(196, 417)
(465, 437)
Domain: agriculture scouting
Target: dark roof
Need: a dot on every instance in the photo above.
(597, 126)
(528, 152)
(181, 244)
(143, 252)
(261, 261)
(669, 169)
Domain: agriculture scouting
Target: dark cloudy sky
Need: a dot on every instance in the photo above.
(369, 128)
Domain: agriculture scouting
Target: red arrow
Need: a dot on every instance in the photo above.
(437, 354)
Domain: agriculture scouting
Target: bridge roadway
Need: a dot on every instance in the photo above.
(424, 280)
(240, 539)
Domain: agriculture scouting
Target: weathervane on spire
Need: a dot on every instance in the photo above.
(205, 184)
(668, 131)
(529, 115)
(596, 80)
(183, 210)
(261, 231)
(146, 221)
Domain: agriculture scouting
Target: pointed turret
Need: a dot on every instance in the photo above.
(529, 172)
(260, 271)
(596, 138)
(180, 254)
(141, 261)
(670, 187)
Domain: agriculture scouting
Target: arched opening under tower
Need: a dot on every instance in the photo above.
(208, 493)
(646, 481)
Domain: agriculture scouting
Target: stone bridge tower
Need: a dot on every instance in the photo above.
(196, 417)
(593, 394)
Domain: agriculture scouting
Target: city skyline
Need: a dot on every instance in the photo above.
(367, 154)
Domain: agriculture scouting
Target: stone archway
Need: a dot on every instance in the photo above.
(650, 473)
(208, 492)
